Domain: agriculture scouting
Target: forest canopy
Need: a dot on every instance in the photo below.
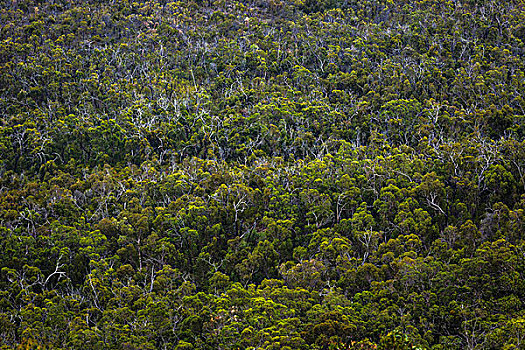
(253, 174)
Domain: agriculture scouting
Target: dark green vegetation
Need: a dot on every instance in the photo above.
(262, 174)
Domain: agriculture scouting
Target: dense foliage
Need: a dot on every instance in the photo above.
(253, 174)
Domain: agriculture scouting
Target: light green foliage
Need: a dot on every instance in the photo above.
(262, 174)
